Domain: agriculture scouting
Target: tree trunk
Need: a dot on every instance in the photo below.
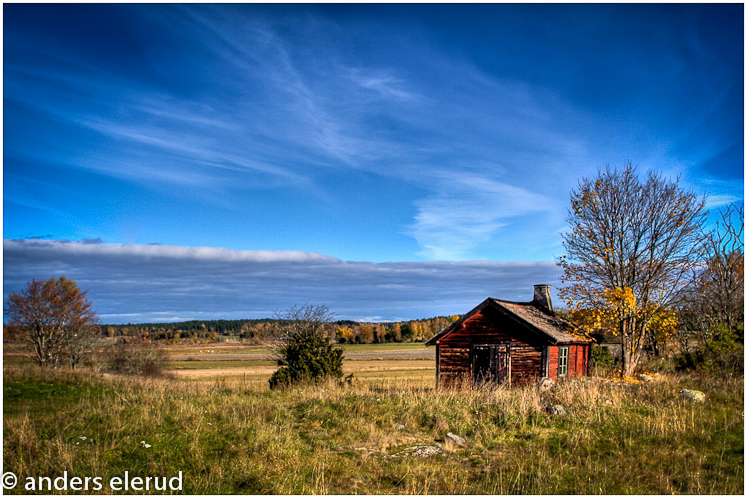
(624, 348)
(631, 349)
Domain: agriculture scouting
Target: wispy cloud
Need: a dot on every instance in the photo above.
(384, 83)
(720, 200)
(221, 104)
(137, 283)
(467, 211)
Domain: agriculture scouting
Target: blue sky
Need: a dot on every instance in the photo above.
(443, 138)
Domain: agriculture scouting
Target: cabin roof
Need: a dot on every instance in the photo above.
(556, 329)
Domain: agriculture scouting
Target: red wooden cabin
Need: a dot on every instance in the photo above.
(506, 342)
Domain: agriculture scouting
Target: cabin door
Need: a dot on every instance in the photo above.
(491, 363)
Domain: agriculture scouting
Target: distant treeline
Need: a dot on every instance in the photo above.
(268, 329)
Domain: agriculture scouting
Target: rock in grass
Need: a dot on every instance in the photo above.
(399, 427)
(645, 378)
(454, 440)
(420, 450)
(693, 395)
(558, 410)
(545, 383)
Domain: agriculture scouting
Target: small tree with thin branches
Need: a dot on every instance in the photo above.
(713, 309)
(720, 286)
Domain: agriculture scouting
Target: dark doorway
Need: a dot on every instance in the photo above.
(491, 363)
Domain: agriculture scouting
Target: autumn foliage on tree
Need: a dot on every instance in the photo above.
(55, 319)
(631, 247)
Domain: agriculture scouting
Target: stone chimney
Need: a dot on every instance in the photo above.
(542, 297)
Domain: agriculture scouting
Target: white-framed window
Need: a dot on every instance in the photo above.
(563, 361)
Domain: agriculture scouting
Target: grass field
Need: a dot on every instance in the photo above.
(237, 348)
(254, 363)
(234, 360)
(233, 435)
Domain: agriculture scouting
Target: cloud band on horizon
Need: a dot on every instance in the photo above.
(152, 283)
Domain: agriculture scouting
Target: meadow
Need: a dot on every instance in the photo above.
(231, 434)
(254, 364)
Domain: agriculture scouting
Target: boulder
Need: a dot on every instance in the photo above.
(558, 410)
(693, 395)
(454, 440)
(545, 383)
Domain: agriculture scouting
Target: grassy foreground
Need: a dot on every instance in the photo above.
(233, 437)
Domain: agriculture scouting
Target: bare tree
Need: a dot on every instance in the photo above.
(631, 247)
(722, 282)
(79, 342)
(54, 318)
(717, 297)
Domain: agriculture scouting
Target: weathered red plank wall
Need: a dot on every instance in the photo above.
(578, 360)
(553, 355)
(489, 327)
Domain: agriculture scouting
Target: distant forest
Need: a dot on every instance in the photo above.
(268, 329)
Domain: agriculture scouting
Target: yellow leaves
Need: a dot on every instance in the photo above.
(663, 325)
(631, 380)
(607, 309)
(622, 299)
(344, 334)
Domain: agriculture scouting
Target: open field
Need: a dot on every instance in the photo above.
(214, 369)
(255, 363)
(229, 352)
(234, 435)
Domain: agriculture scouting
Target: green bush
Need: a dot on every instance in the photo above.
(686, 362)
(306, 354)
(723, 353)
(601, 356)
(280, 379)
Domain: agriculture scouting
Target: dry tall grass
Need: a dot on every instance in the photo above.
(235, 437)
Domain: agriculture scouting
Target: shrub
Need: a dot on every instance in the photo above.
(723, 353)
(685, 361)
(306, 354)
(280, 379)
(136, 358)
(601, 357)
